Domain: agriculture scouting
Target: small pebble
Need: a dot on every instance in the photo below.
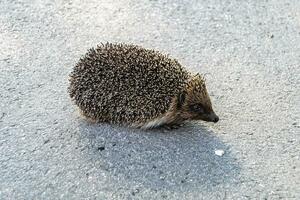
(101, 148)
(219, 152)
(135, 192)
(46, 141)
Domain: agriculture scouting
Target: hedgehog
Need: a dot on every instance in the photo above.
(129, 85)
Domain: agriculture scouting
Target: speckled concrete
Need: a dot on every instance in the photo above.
(249, 52)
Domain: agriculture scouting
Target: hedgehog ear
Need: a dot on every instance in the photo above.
(181, 99)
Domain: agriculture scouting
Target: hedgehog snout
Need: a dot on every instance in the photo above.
(213, 117)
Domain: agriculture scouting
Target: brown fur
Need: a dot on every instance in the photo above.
(196, 93)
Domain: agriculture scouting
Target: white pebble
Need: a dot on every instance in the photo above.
(219, 152)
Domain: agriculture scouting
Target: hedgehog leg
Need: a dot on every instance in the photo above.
(173, 126)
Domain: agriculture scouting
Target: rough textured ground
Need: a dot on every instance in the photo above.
(250, 53)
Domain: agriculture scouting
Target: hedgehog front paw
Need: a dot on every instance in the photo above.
(172, 126)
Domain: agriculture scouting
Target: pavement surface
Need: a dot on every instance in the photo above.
(249, 52)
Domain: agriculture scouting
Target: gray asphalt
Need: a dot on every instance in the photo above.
(249, 52)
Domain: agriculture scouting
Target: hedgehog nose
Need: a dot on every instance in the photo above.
(216, 119)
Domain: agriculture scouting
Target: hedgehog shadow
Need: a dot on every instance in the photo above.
(179, 159)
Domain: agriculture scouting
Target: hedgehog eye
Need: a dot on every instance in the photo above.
(197, 108)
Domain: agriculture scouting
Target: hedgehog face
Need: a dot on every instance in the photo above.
(194, 103)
